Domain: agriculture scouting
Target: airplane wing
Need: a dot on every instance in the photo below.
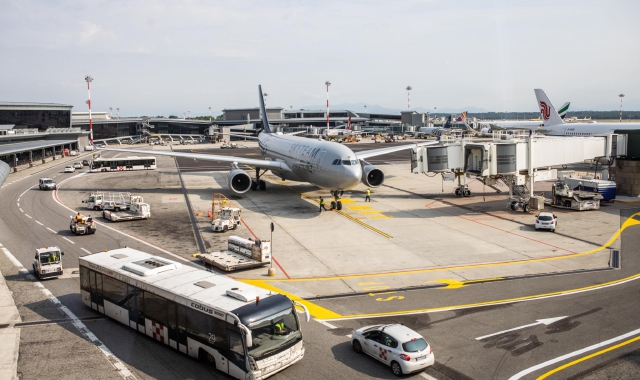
(377, 152)
(264, 164)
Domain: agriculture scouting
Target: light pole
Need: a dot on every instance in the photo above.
(365, 108)
(118, 111)
(110, 112)
(409, 88)
(621, 96)
(88, 79)
(189, 114)
(327, 83)
(271, 272)
(209, 113)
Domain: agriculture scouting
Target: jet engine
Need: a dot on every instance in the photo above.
(371, 175)
(239, 181)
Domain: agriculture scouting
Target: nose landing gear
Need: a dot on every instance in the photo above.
(336, 204)
(463, 191)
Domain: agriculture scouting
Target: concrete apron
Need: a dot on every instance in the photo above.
(9, 335)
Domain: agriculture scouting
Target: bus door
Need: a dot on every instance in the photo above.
(177, 327)
(95, 281)
(237, 358)
(136, 309)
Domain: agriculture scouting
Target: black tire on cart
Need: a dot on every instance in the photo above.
(526, 208)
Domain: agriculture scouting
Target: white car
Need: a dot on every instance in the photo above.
(397, 346)
(546, 221)
(69, 169)
(77, 165)
(73, 153)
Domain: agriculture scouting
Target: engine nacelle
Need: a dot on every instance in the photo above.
(372, 176)
(239, 181)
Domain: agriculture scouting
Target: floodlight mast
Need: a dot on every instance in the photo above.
(409, 88)
(327, 83)
(88, 79)
(209, 113)
(118, 111)
(621, 96)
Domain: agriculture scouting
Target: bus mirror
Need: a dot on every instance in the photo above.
(306, 311)
(62, 253)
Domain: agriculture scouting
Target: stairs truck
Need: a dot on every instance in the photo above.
(48, 263)
(240, 254)
(136, 211)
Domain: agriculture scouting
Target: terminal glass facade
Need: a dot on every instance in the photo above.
(41, 119)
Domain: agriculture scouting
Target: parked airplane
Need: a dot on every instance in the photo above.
(341, 132)
(555, 126)
(326, 164)
(520, 124)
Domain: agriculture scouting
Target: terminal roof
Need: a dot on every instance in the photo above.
(32, 145)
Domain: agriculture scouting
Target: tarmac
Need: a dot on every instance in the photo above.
(9, 335)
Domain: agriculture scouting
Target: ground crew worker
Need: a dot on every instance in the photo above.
(54, 257)
(322, 205)
(279, 327)
(368, 197)
(78, 218)
(224, 203)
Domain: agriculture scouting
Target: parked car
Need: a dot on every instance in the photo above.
(85, 162)
(73, 153)
(546, 221)
(69, 169)
(395, 345)
(77, 165)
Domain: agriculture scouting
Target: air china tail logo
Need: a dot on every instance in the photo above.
(545, 110)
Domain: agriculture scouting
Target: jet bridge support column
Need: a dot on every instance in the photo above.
(607, 155)
(530, 164)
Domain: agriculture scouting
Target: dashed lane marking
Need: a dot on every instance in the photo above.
(18, 203)
(120, 368)
(21, 211)
(86, 250)
(51, 230)
(427, 376)
(69, 240)
(28, 216)
(39, 223)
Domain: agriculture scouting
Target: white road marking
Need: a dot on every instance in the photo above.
(427, 376)
(39, 223)
(545, 322)
(21, 210)
(86, 250)
(329, 325)
(18, 203)
(121, 369)
(349, 336)
(70, 241)
(28, 216)
(18, 199)
(572, 354)
(51, 230)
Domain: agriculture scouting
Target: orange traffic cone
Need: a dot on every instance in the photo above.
(209, 214)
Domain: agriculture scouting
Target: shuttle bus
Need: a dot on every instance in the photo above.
(103, 164)
(240, 329)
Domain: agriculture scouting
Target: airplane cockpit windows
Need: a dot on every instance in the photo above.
(336, 162)
(349, 162)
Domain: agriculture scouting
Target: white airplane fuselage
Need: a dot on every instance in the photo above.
(587, 129)
(312, 161)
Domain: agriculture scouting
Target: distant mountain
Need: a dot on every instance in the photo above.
(374, 108)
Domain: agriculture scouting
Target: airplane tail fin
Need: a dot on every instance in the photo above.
(463, 117)
(265, 121)
(563, 110)
(549, 114)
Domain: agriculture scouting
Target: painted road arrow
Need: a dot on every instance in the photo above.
(545, 322)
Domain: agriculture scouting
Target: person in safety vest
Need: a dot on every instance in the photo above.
(368, 197)
(322, 205)
(224, 203)
(279, 328)
(78, 218)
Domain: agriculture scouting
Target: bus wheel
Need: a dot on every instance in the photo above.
(207, 358)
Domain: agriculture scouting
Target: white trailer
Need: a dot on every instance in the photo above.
(123, 200)
(136, 211)
(241, 254)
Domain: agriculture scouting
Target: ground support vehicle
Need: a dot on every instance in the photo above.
(135, 212)
(519, 204)
(82, 225)
(397, 346)
(563, 197)
(240, 254)
(114, 206)
(106, 164)
(239, 329)
(46, 184)
(228, 218)
(586, 183)
(48, 263)
(77, 165)
(96, 198)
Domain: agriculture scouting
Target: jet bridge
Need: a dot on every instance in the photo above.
(512, 158)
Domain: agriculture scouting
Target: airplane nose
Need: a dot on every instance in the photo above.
(354, 174)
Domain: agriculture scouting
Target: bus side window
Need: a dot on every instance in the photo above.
(84, 279)
(171, 314)
(115, 291)
(96, 282)
(155, 307)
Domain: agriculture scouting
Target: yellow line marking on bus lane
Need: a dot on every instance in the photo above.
(315, 310)
(628, 223)
(457, 284)
(337, 211)
(555, 370)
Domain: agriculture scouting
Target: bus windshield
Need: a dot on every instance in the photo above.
(273, 332)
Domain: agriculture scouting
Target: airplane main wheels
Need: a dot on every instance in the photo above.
(339, 205)
(254, 185)
(262, 185)
(458, 191)
(333, 205)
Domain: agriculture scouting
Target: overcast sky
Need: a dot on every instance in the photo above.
(164, 57)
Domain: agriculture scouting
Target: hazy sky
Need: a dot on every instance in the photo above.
(155, 57)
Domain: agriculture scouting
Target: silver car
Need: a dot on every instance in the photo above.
(397, 346)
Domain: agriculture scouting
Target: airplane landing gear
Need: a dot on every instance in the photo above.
(336, 203)
(463, 191)
(258, 183)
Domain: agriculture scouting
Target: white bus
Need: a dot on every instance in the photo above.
(103, 164)
(240, 329)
